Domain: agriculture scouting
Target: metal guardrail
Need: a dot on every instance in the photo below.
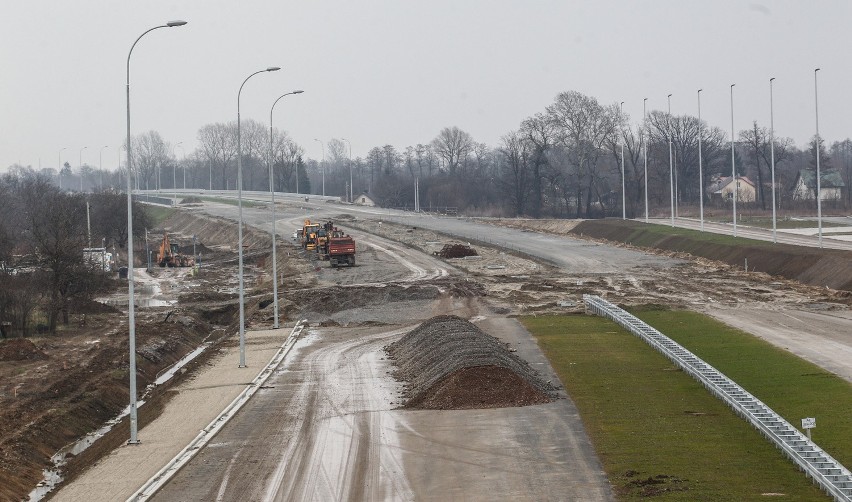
(828, 473)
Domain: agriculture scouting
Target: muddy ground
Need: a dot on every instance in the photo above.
(54, 389)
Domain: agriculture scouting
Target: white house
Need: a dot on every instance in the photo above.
(830, 185)
(723, 189)
(364, 199)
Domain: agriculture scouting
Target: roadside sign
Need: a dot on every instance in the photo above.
(808, 423)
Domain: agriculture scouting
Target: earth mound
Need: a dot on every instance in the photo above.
(449, 363)
(456, 251)
(20, 349)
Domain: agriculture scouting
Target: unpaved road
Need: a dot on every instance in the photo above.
(326, 429)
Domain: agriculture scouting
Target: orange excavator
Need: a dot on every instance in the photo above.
(169, 255)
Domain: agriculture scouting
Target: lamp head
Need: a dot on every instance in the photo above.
(298, 92)
(771, 79)
(273, 68)
(172, 24)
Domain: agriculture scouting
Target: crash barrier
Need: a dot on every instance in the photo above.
(828, 473)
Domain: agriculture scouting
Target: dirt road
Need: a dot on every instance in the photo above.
(326, 429)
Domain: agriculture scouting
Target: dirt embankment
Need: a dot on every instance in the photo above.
(817, 267)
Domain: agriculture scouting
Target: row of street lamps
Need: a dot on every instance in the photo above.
(733, 161)
(131, 312)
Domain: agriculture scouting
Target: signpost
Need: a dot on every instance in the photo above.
(808, 424)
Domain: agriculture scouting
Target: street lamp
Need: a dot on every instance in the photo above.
(272, 192)
(733, 162)
(700, 167)
(772, 157)
(59, 175)
(816, 150)
(623, 198)
(323, 165)
(174, 174)
(101, 164)
(240, 211)
(81, 168)
(645, 144)
(671, 161)
(131, 308)
(350, 168)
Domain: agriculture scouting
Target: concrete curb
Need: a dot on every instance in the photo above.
(150, 487)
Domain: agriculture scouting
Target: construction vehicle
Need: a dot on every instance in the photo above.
(169, 255)
(309, 235)
(341, 250)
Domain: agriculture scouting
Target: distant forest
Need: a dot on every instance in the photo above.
(564, 162)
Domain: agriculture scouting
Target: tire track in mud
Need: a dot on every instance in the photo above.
(341, 452)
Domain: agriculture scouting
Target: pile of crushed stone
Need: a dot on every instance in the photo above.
(449, 363)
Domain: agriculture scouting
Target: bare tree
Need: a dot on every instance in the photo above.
(453, 145)
(219, 144)
(584, 127)
(515, 177)
(150, 154)
(758, 151)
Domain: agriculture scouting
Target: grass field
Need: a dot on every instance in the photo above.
(660, 433)
(158, 214)
(818, 267)
(780, 223)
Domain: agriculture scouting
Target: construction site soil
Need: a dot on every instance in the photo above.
(449, 363)
(56, 389)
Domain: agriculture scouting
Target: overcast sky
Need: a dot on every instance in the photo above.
(394, 72)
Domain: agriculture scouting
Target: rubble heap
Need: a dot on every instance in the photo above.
(449, 363)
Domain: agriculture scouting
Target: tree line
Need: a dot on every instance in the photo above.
(564, 161)
(43, 231)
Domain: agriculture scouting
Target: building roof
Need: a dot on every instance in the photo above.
(829, 178)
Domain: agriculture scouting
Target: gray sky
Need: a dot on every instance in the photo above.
(393, 72)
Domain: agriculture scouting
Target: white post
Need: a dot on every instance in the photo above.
(623, 197)
(700, 167)
(645, 142)
(818, 191)
(671, 161)
(772, 157)
(733, 161)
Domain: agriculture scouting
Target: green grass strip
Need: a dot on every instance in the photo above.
(657, 431)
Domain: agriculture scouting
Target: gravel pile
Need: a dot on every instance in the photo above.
(449, 363)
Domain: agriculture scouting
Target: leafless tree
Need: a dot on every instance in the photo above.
(515, 177)
(756, 142)
(453, 145)
(219, 144)
(584, 127)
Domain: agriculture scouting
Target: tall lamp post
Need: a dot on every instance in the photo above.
(131, 308)
(240, 211)
(816, 150)
(700, 166)
(101, 164)
(645, 144)
(772, 158)
(350, 169)
(623, 197)
(174, 175)
(322, 145)
(81, 168)
(272, 192)
(59, 174)
(671, 161)
(733, 162)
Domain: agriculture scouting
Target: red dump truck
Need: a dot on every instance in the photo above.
(341, 251)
